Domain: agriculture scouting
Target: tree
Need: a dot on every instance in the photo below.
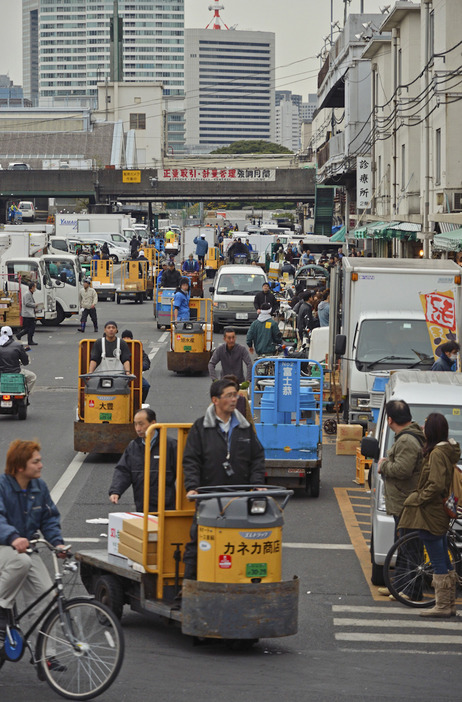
(253, 146)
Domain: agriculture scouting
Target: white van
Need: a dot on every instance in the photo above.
(425, 392)
(117, 239)
(234, 288)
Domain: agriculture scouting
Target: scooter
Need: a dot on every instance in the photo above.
(14, 397)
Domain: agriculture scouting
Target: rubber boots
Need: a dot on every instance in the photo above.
(82, 327)
(445, 595)
(455, 579)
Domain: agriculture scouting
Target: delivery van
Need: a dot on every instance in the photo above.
(234, 289)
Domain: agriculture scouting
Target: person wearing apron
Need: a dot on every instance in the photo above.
(110, 353)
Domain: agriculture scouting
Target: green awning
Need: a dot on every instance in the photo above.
(448, 241)
(368, 231)
(387, 230)
(339, 236)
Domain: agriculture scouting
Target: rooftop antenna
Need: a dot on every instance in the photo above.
(216, 19)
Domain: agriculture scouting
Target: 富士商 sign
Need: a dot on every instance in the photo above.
(131, 176)
(440, 315)
(218, 174)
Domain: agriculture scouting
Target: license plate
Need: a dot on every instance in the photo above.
(7, 403)
(256, 570)
(105, 416)
(242, 315)
(296, 470)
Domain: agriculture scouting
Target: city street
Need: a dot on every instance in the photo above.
(351, 644)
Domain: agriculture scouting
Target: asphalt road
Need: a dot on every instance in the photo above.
(349, 645)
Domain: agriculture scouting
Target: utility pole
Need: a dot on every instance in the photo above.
(426, 203)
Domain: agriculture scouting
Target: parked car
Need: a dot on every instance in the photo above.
(116, 253)
(18, 166)
(27, 209)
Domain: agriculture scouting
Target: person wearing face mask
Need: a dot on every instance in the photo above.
(448, 357)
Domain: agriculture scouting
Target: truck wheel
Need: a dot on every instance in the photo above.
(240, 644)
(109, 591)
(60, 316)
(315, 482)
(22, 411)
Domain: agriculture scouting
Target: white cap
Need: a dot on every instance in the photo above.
(203, 235)
(6, 330)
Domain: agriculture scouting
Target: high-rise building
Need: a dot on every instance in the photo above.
(288, 125)
(229, 86)
(67, 50)
(307, 109)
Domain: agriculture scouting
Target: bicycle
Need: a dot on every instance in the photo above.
(408, 572)
(80, 643)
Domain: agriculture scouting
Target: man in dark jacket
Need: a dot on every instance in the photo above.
(171, 277)
(130, 468)
(231, 356)
(221, 449)
(447, 360)
(25, 508)
(304, 312)
(265, 295)
(264, 334)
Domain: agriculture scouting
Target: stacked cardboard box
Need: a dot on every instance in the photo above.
(131, 539)
(348, 439)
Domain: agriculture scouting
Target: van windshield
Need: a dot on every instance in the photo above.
(240, 284)
(393, 343)
(419, 413)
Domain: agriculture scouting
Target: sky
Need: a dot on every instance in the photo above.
(299, 32)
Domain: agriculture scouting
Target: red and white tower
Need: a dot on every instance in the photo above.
(216, 19)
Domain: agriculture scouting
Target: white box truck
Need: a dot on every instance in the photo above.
(74, 224)
(377, 323)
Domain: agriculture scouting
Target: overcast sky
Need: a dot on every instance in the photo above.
(299, 25)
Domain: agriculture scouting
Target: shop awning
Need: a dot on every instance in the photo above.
(448, 241)
(339, 236)
(388, 230)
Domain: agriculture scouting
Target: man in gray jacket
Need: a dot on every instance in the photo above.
(231, 356)
(401, 468)
(28, 308)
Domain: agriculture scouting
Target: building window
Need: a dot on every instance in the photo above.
(137, 121)
(438, 157)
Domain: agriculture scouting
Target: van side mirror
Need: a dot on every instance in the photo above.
(211, 289)
(340, 345)
(370, 448)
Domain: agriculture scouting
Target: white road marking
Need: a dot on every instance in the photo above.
(401, 651)
(67, 477)
(399, 638)
(321, 547)
(152, 353)
(393, 609)
(397, 624)
(163, 337)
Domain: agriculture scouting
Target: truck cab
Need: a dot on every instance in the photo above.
(65, 274)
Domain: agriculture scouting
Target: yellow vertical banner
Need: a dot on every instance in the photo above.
(440, 315)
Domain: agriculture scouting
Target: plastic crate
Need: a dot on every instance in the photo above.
(11, 383)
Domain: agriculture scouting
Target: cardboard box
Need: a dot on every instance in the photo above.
(115, 525)
(135, 555)
(135, 527)
(349, 432)
(346, 448)
(137, 544)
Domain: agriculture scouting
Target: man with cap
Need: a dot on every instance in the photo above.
(13, 355)
(171, 277)
(127, 335)
(202, 246)
(110, 353)
(88, 299)
(265, 295)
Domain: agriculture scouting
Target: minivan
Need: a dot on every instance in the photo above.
(234, 288)
(424, 392)
(27, 210)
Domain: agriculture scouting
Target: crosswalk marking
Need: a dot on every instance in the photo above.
(399, 638)
(397, 624)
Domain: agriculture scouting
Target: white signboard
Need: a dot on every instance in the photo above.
(217, 174)
(363, 182)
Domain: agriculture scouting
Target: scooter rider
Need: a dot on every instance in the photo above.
(12, 356)
(110, 353)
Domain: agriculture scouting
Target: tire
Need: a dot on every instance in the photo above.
(94, 663)
(315, 482)
(109, 590)
(118, 299)
(413, 584)
(376, 570)
(22, 411)
(114, 258)
(60, 317)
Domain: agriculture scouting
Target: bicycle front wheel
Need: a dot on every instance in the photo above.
(80, 653)
(408, 572)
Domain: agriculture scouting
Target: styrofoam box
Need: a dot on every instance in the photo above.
(115, 526)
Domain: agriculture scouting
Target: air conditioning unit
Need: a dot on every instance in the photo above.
(457, 202)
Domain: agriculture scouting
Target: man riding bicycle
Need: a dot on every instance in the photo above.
(25, 508)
